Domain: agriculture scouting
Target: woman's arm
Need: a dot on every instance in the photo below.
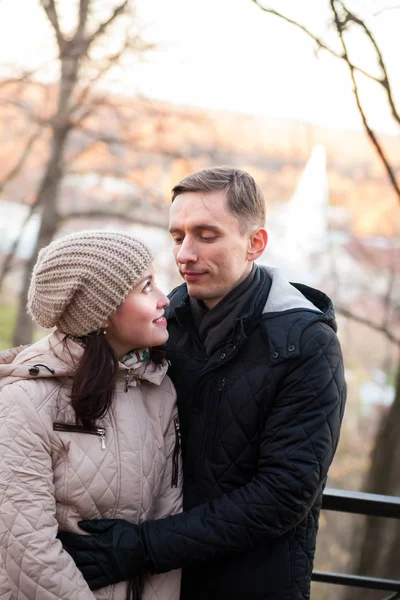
(32, 557)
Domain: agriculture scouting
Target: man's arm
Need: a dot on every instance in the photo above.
(297, 447)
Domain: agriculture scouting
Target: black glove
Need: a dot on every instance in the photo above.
(114, 553)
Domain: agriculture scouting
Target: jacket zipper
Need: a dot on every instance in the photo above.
(221, 387)
(127, 380)
(219, 399)
(206, 437)
(100, 431)
(175, 456)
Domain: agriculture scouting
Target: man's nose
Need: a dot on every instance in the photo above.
(187, 252)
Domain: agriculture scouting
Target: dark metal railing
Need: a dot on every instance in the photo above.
(372, 505)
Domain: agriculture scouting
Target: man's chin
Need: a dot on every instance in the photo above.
(197, 293)
(194, 291)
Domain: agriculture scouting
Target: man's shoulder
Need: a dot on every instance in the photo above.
(287, 333)
(176, 297)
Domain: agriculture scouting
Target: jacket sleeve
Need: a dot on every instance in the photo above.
(296, 449)
(32, 559)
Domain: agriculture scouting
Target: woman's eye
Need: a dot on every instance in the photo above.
(148, 287)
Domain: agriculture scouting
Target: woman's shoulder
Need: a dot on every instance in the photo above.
(37, 395)
(33, 373)
(169, 387)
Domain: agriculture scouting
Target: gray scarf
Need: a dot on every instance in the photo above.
(216, 326)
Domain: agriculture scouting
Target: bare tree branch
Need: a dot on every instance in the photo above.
(364, 321)
(83, 15)
(27, 109)
(23, 77)
(120, 9)
(316, 39)
(386, 9)
(384, 81)
(111, 61)
(50, 9)
(21, 161)
(89, 110)
(73, 54)
(340, 25)
(140, 215)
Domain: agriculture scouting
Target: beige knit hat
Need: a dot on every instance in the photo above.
(80, 280)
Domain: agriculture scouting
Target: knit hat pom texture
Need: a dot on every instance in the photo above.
(79, 281)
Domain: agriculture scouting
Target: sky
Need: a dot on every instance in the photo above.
(229, 55)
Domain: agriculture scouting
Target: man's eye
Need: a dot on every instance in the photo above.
(208, 239)
(177, 240)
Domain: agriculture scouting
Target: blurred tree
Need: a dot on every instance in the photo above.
(380, 545)
(102, 35)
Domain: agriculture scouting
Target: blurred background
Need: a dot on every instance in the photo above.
(106, 104)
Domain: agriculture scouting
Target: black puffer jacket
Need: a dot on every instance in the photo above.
(260, 423)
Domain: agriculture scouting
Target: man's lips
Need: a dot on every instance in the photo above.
(192, 275)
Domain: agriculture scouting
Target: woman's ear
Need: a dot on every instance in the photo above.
(257, 243)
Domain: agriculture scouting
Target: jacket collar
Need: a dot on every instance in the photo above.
(58, 356)
(283, 297)
(289, 309)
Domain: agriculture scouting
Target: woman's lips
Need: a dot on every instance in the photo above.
(161, 321)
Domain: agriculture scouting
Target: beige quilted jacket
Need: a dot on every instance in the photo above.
(53, 474)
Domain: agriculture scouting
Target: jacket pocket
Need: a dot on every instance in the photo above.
(70, 428)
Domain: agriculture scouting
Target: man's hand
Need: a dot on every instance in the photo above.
(115, 552)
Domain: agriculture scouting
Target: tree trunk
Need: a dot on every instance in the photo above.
(47, 200)
(380, 550)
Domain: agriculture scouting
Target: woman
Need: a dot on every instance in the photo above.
(88, 422)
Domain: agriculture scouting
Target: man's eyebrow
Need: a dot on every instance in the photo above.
(200, 227)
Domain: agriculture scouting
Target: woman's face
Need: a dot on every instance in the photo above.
(139, 321)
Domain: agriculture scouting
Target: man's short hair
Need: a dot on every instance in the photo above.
(244, 197)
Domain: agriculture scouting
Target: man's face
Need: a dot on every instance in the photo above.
(211, 254)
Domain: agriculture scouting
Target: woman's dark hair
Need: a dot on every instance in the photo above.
(94, 381)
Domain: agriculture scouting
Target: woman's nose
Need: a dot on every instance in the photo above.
(163, 301)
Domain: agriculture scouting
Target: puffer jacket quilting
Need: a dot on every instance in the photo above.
(51, 479)
(260, 422)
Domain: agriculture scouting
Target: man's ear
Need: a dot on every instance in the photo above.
(257, 243)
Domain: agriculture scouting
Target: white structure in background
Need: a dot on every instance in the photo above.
(12, 215)
(307, 226)
(299, 230)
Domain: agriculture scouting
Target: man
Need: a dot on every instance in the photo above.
(261, 392)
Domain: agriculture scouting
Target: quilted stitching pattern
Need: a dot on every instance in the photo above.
(255, 482)
(27, 532)
(51, 479)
